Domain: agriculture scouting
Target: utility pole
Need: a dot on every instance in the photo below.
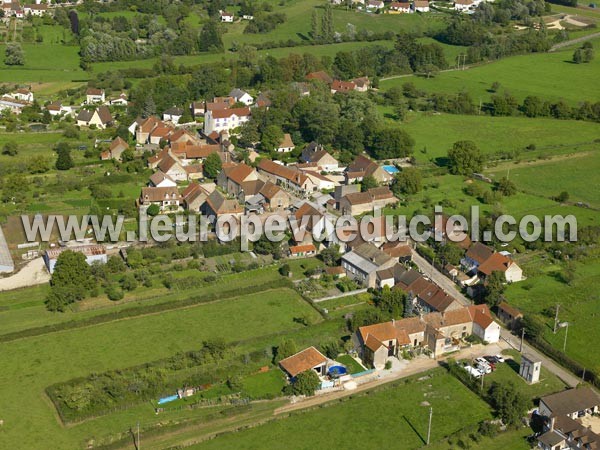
(522, 338)
(429, 428)
(138, 436)
(566, 332)
(583, 376)
(482, 377)
(556, 318)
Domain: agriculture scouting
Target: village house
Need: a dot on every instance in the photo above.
(463, 5)
(226, 17)
(438, 333)
(269, 198)
(363, 167)
(286, 176)
(286, 145)
(375, 5)
(141, 128)
(167, 198)
(363, 262)
(241, 96)
(342, 86)
(321, 182)
(302, 250)
(194, 196)
(320, 76)
(93, 254)
(361, 202)
(498, 262)
(399, 250)
(94, 96)
(263, 100)
(217, 205)
(400, 7)
(15, 106)
(476, 255)
(225, 119)
(362, 84)
(308, 221)
(567, 417)
(171, 165)
(307, 359)
(57, 109)
(160, 179)
(115, 150)
(173, 115)
(421, 6)
(35, 9)
(190, 153)
(100, 117)
(160, 133)
(239, 181)
(22, 94)
(509, 315)
(316, 154)
(121, 100)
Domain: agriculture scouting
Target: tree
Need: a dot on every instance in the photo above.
(71, 280)
(271, 138)
(212, 165)
(327, 28)
(588, 54)
(314, 25)
(562, 197)
(286, 348)
(451, 253)
(331, 255)
(390, 142)
(391, 301)
(506, 187)
(578, 56)
(64, 160)
(306, 383)
(149, 107)
(494, 288)
(534, 326)
(11, 148)
(408, 181)
(368, 182)
(13, 55)
(465, 158)
(510, 403)
(210, 37)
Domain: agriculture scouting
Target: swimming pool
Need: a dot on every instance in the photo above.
(391, 169)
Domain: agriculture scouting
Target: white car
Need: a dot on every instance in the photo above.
(499, 358)
(473, 371)
(481, 361)
(484, 368)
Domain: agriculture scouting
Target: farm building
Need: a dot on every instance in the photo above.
(92, 253)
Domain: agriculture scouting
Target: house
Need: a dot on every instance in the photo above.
(167, 198)
(173, 115)
(160, 133)
(321, 182)
(307, 359)
(420, 5)
(100, 117)
(375, 5)
(286, 177)
(263, 100)
(363, 262)
(92, 253)
(94, 96)
(57, 108)
(275, 198)
(217, 205)
(320, 76)
(115, 150)
(439, 333)
(509, 315)
(400, 251)
(198, 109)
(463, 5)
(36, 9)
(363, 167)
(566, 417)
(361, 84)
(142, 128)
(194, 196)
(121, 100)
(189, 152)
(226, 17)
(342, 86)
(225, 119)
(241, 96)
(160, 179)
(316, 153)
(286, 145)
(171, 165)
(22, 94)
(477, 254)
(400, 7)
(15, 106)
(302, 250)
(309, 221)
(239, 181)
(498, 262)
(484, 325)
(360, 202)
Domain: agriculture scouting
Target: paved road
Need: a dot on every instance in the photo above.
(562, 373)
(439, 278)
(574, 41)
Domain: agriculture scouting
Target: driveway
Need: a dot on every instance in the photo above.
(33, 273)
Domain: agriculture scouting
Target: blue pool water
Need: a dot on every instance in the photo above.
(391, 169)
(168, 399)
(336, 371)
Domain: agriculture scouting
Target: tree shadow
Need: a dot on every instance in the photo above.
(303, 36)
(414, 429)
(513, 365)
(442, 161)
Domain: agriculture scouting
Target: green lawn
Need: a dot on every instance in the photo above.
(265, 384)
(29, 365)
(553, 74)
(579, 306)
(350, 363)
(391, 416)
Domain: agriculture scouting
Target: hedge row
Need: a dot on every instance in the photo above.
(143, 310)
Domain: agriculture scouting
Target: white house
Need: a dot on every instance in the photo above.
(241, 96)
(400, 7)
(22, 94)
(93, 96)
(57, 109)
(121, 100)
(226, 17)
(286, 145)
(225, 119)
(173, 115)
(421, 5)
(484, 325)
(99, 117)
(463, 5)
(38, 9)
(375, 4)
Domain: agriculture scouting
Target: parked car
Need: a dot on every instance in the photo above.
(491, 360)
(473, 371)
(484, 368)
(499, 358)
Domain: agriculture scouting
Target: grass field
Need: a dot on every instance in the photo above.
(29, 365)
(392, 416)
(552, 72)
(437, 133)
(579, 306)
(546, 177)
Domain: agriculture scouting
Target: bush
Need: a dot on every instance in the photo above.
(113, 292)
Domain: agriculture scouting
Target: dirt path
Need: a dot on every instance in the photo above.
(574, 41)
(33, 273)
